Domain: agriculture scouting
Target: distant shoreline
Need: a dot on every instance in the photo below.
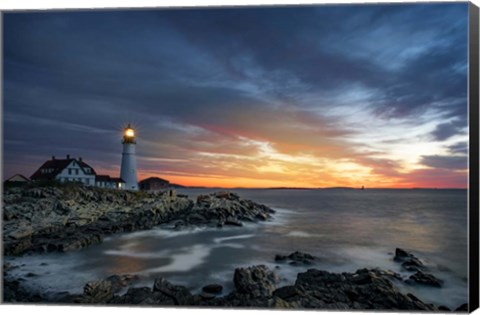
(307, 188)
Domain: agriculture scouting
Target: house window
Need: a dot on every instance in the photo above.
(76, 171)
(69, 171)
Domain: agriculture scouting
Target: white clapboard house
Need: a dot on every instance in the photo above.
(74, 170)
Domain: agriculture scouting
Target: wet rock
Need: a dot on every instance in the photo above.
(280, 257)
(31, 275)
(180, 294)
(256, 281)
(207, 296)
(233, 221)
(135, 296)
(296, 258)
(288, 292)
(462, 308)
(97, 292)
(364, 289)
(213, 288)
(409, 261)
(424, 279)
(299, 256)
(118, 282)
(401, 254)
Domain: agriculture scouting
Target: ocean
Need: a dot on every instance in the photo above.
(345, 229)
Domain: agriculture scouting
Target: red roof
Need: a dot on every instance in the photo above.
(57, 166)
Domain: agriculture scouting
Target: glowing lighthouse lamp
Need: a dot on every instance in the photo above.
(128, 171)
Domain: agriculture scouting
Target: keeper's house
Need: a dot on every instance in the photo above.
(74, 170)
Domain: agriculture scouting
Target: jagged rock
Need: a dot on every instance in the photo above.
(288, 292)
(296, 259)
(180, 294)
(121, 281)
(425, 279)
(226, 208)
(97, 292)
(401, 254)
(364, 289)
(256, 281)
(65, 218)
(233, 221)
(213, 288)
(408, 260)
(134, 296)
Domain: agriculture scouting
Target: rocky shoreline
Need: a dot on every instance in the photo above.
(69, 217)
(254, 287)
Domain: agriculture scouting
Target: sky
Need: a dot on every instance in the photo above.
(309, 96)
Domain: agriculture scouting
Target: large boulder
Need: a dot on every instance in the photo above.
(408, 260)
(256, 281)
(97, 292)
(178, 293)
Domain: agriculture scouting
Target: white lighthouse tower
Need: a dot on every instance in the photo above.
(128, 171)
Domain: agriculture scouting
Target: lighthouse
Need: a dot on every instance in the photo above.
(128, 171)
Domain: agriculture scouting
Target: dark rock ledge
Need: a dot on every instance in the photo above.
(256, 286)
(69, 217)
(413, 264)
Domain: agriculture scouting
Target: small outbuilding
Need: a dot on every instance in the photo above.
(154, 183)
(17, 180)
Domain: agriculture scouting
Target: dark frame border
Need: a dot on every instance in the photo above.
(473, 95)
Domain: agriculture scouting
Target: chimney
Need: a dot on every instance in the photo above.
(53, 157)
(80, 159)
(68, 156)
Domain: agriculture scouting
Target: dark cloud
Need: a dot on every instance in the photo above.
(459, 148)
(445, 162)
(447, 130)
(199, 80)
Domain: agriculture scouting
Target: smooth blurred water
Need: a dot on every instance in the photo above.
(345, 229)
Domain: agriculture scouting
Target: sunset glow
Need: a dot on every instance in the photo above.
(373, 97)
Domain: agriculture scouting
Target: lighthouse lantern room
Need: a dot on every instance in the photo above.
(128, 171)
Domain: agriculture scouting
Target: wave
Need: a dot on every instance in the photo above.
(302, 234)
(229, 238)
